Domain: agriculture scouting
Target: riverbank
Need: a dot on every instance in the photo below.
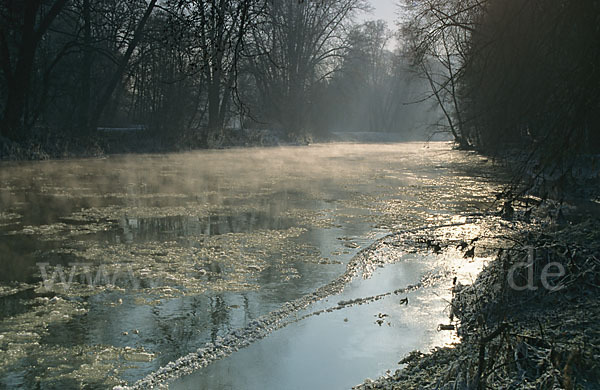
(529, 321)
(47, 144)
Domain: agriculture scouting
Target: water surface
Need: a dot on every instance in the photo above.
(161, 254)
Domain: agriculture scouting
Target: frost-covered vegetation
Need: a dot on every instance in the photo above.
(512, 74)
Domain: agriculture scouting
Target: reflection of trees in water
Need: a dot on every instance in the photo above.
(281, 288)
(183, 325)
(219, 316)
(180, 326)
(149, 229)
(20, 253)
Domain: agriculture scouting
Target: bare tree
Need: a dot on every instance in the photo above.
(438, 34)
(366, 78)
(297, 45)
(23, 25)
(122, 64)
(220, 28)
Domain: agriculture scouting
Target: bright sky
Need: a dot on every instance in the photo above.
(383, 9)
(386, 10)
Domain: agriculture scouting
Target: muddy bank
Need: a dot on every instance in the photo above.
(529, 321)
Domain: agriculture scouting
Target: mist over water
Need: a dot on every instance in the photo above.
(196, 245)
(272, 212)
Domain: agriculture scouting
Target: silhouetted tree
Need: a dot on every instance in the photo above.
(23, 24)
(296, 46)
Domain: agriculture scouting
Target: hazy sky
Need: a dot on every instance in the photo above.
(383, 9)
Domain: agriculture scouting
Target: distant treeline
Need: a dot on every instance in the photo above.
(192, 66)
(512, 73)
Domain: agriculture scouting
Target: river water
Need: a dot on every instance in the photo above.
(115, 267)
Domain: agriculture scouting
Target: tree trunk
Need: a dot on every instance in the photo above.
(18, 81)
(86, 71)
(118, 74)
(214, 103)
(457, 138)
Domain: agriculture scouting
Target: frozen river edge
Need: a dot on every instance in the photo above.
(363, 261)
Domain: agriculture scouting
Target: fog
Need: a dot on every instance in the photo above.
(292, 194)
(178, 75)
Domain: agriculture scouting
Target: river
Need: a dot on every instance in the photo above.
(115, 267)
